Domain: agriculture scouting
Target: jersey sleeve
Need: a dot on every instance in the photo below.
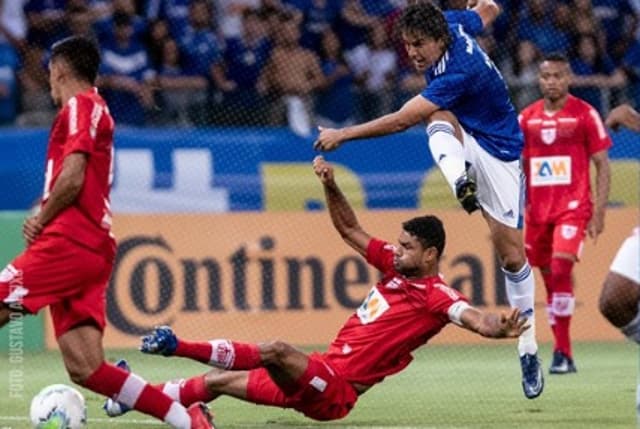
(447, 302)
(380, 255)
(469, 19)
(597, 137)
(446, 90)
(83, 116)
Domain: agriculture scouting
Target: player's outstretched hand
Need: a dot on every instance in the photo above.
(329, 139)
(512, 325)
(323, 170)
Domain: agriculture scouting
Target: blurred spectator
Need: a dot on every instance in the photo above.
(181, 93)
(174, 12)
(631, 65)
(104, 27)
(9, 64)
(358, 17)
(335, 104)
(375, 68)
(230, 14)
(78, 22)
(537, 26)
(318, 17)
(618, 21)
(245, 58)
(201, 49)
(13, 23)
(521, 74)
(291, 87)
(411, 82)
(593, 72)
(157, 34)
(127, 77)
(45, 19)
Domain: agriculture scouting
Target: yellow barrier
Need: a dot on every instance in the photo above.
(259, 276)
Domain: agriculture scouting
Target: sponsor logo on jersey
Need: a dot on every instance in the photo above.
(550, 170)
(373, 307)
(568, 231)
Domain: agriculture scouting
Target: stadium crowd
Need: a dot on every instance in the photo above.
(301, 62)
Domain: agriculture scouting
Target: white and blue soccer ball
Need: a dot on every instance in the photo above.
(58, 407)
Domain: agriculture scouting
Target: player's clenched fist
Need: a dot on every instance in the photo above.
(31, 229)
(323, 170)
(329, 139)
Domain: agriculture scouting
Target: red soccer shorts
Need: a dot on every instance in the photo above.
(543, 240)
(320, 393)
(55, 272)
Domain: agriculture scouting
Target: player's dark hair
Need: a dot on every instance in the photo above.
(425, 19)
(81, 54)
(556, 57)
(428, 230)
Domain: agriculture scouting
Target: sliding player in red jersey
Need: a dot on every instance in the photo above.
(406, 308)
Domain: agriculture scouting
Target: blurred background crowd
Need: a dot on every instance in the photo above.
(295, 62)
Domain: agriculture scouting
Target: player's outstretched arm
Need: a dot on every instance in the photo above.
(342, 215)
(414, 111)
(487, 9)
(624, 115)
(493, 325)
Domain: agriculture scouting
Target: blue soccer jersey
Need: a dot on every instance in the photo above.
(466, 82)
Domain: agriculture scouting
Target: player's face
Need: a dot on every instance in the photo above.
(409, 255)
(422, 51)
(555, 78)
(56, 76)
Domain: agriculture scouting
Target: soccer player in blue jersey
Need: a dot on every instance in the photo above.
(474, 138)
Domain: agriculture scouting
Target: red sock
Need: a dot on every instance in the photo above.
(189, 391)
(247, 356)
(563, 303)
(134, 392)
(193, 350)
(223, 354)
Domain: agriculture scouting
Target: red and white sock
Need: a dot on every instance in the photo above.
(222, 354)
(134, 392)
(563, 303)
(188, 392)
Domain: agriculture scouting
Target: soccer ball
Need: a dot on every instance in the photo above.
(58, 407)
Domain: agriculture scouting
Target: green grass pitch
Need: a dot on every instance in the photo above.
(445, 387)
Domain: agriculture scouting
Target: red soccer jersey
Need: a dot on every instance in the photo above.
(83, 125)
(398, 316)
(556, 158)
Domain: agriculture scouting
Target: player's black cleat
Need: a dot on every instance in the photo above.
(562, 364)
(466, 193)
(532, 378)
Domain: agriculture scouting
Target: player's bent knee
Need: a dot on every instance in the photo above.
(279, 350)
(513, 261)
(618, 301)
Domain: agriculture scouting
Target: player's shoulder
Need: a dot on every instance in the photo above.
(532, 110)
(578, 106)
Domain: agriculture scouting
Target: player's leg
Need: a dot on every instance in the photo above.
(447, 150)
(83, 356)
(619, 304)
(538, 250)
(568, 239)
(620, 295)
